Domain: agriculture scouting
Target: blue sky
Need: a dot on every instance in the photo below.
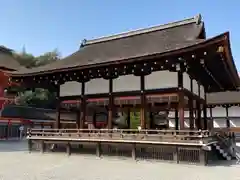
(43, 25)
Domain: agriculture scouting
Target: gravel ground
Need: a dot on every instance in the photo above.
(17, 164)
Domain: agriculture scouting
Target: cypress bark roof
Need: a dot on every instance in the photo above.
(7, 61)
(139, 43)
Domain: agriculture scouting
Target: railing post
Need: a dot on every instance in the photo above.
(42, 146)
(134, 151)
(98, 149)
(175, 155)
(203, 157)
(68, 149)
(30, 144)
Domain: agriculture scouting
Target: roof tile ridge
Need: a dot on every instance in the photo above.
(196, 19)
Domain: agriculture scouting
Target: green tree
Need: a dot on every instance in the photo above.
(39, 97)
(30, 61)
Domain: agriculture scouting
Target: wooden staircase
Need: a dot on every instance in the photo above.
(226, 147)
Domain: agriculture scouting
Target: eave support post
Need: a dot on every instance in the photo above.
(110, 105)
(199, 123)
(191, 115)
(211, 118)
(181, 103)
(176, 119)
(227, 116)
(205, 119)
(58, 109)
(198, 118)
(83, 108)
(151, 119)
(143, 103)
(128, 118)
(191, 107)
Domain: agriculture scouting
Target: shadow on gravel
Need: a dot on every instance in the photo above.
(13, 145)
(224, 163)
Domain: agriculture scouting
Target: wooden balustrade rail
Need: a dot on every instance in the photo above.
(132, 131)
(120, 135)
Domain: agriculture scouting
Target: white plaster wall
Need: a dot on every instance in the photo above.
(186, 81)
(161, 79)
(201, 91)
(208, 112)
(96, 86)
(223, 97)
(218, 112)
(234, 111)
(126, 83)
(195, 87)
(70, 88)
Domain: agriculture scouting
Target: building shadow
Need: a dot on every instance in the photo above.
(13, 145)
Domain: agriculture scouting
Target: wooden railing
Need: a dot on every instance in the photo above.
(122, 135)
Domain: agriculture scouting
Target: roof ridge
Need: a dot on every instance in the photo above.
(196, 19)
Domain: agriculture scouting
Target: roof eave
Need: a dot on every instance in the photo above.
(197, 45)
(230, 61)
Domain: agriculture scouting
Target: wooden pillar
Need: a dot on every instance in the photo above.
(176, 119)
(78, 115)
(143, 104)
(94, 119)
(151, 118)
(211, 117)
(42, 146)
(58, 109)
(227, 117)
(68, 149)
(30, 145)
(111, 104)
(205, 119)
(181, 103)
(134, 151)
(98, 149)
(128, 118)
(83, 108)
(190, 106)
(198, 118)
(191, 115)
(201, 106)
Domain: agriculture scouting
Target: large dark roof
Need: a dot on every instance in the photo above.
(144, 42)
(7, 60)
